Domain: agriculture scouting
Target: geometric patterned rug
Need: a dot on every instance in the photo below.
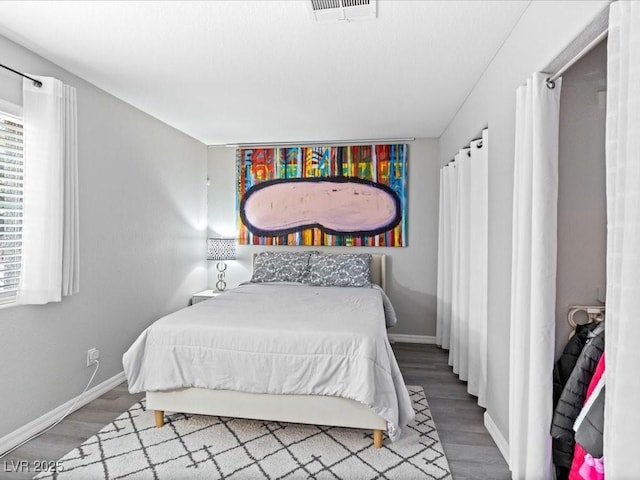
(198, 446)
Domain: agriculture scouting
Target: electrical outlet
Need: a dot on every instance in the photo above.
(93, 354)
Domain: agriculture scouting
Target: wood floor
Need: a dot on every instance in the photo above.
(470, 450)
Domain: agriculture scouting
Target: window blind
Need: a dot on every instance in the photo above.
(11, 196)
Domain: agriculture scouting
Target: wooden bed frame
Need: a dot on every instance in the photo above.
(310, 409)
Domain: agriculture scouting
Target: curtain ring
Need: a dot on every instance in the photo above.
(550, 83)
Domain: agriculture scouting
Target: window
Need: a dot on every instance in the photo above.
(11, 195)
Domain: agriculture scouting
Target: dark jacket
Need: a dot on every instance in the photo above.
(564, 366)
(570, 399)
(590, 431)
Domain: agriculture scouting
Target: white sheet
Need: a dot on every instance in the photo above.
(278, 338)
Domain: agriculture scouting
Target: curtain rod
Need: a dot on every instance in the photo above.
(550, 81)
(36, 83)
(478, 145)
(355, 141)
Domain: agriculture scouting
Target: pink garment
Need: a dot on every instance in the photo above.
(592, 468)
(579, 453)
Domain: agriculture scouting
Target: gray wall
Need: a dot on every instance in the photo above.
(412, 270)
(582, 222)
(142, 251)
(544, 30)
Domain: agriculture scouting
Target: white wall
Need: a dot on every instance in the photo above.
(543, 31)
(412, 270)
(582, 220)
(142, 247)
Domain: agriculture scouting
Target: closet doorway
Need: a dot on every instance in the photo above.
(582, 222)
(582, 233)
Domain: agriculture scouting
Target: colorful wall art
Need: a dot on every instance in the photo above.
(347, 196)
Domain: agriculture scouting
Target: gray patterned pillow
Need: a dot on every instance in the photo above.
(340, 270)
(280, 267)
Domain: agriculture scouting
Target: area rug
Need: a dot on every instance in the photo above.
(197, 446)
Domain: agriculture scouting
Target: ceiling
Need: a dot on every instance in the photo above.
(263, 71)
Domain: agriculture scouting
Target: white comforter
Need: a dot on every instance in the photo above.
(278, 338)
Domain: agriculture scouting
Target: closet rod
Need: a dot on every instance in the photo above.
(36, 83)
(550, 81)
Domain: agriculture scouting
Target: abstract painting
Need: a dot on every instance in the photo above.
(323, 196)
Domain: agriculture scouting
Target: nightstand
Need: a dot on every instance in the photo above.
(204, 295)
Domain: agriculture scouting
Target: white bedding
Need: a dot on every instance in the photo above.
(279, 339)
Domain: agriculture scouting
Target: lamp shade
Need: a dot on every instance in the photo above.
(221, 249)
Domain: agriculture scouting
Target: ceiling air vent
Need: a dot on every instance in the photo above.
(337, 10)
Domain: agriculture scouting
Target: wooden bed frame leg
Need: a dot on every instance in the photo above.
(159, 418)
(377, 438)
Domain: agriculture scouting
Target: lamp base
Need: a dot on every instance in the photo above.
(221, 285)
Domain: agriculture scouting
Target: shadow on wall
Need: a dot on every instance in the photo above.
(408, 302)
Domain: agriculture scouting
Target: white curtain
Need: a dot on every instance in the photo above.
(442, 337)
(446, 237)
(533, 279)
(459, 268)
(622, 420)
(462, 265)
(50, 245)
(478, 268)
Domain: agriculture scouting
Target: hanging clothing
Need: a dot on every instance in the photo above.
(567, 361)
(563, 449)
(591, 429)
(574, 393)
(589, 433)
(592, 468)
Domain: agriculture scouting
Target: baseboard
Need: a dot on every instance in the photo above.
(27, 431)
(497, 436)
(401, 337)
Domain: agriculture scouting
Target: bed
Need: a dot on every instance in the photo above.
(280, 351)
